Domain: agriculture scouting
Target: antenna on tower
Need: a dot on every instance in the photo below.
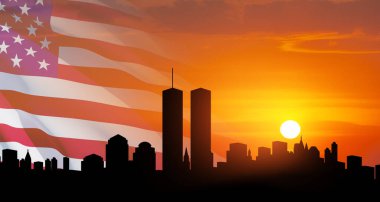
(172, 77)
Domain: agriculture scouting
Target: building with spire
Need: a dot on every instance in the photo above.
(186, 161)
(172, 129)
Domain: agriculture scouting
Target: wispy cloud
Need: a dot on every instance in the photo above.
(329, 42)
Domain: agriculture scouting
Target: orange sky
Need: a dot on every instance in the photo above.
(267, 61)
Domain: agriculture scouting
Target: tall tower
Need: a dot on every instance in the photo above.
(172, 127)
(334, 152)
(201, 156)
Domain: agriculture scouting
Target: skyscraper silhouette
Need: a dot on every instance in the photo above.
(66, 163)
(145, 157)
(201, 155)
(47, 165)
(279, 149)
(186, 161)
(334, 152)
(10, 161)
(117, 153)
(172, 127)
(54, 164)
(28, 161)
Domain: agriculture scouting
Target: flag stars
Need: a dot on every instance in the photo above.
(17, 18)
(2, 6)
(45, 43)
(3, 47)
(38, 22)
(41, 2)
(16, 61)
(30, 51)
(43, 64)
(24, 9)
(32, 30)
(5, 27)
(18, 39)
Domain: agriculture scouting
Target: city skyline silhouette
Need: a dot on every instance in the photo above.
(303, 167)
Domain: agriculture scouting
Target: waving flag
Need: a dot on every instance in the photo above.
(75, 73)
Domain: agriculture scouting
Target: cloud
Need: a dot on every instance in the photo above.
(330, 43)
(279, 16)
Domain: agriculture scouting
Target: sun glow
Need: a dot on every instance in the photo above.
(290, 129)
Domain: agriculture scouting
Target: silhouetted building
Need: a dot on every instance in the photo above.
(22, 164)
(38, 166)
(145, 157)
(368, 173)
(92, 164)
(54, 164)
(279, 149)
(117, 154)
(334, 152)
(201, 155)
(186, 161)
(377, 173)
(263, 154)
(299, 149)
(354, 163)
(28, 161)
(237, 155)
(66, 163)
(47, 165)
(10, 161)
(172, 128)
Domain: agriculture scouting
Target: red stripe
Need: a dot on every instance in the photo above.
(96, 13)
(78, 109)
(96, 76)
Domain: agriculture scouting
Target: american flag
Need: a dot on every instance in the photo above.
(75, 73)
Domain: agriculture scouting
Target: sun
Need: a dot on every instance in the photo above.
(290, 129)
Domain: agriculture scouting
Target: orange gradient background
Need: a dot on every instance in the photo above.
(267, 61)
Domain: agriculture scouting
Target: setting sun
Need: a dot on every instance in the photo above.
(290, 129)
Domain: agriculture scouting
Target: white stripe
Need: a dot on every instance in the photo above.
(104, 32)
(123, 6)
(59, 88)
(40, 154)
(84, 58)
(78, 128)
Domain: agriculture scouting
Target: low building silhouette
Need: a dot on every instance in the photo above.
(237, 156)
(144, 157)
(117, 154)
(38, 166)
(92, 164)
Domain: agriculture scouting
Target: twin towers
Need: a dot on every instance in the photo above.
(172, 131)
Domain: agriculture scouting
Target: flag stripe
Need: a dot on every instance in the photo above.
(118, 52)
(58, 88)
(108, 33)
(84, 10)
(77, 109)
(84, 58)
(96, 76)
(77, 128)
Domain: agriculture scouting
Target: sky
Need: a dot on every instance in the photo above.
(268, 61)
